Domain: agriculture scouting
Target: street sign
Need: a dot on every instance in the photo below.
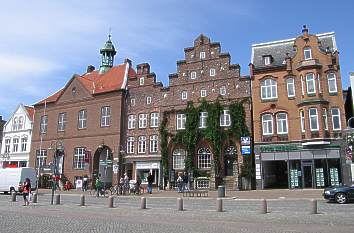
(245, 140)
(246, 150)
(115, 169)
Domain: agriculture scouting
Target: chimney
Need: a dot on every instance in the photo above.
(127, 60)
(288, 62)
(90, 68)
(305, 30)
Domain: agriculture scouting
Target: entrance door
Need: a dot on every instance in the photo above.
(308, 176)
(230, 156)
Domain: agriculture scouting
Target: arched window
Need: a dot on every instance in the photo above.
(269, 89)
(282, 123)
(204, 158)
(15, 124)
(179, 156)
(307, 53)
(20, 122)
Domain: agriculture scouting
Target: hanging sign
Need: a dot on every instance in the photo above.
(246, 150)
(245, 140)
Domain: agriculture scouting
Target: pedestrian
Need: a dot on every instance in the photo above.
(85, 183)
(179, 183)
(26, 191)
(99, 186)
(126, 183)
(150, 180)
(137, 185)
(185, 182)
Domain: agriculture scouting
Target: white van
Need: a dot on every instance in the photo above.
(10, 178)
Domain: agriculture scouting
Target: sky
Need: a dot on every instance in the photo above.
(43, 43)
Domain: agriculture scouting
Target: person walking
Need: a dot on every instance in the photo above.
(26, 191)
(99, 186)
(179, 183)
(185, 182)
(85, 183)
(150, 180)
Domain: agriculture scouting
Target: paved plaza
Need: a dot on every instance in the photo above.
(286, 214)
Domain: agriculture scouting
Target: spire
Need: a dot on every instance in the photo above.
(108, 51)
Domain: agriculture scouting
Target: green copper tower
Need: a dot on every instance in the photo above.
(108, 51)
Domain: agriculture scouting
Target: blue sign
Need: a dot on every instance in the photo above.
(246, 150)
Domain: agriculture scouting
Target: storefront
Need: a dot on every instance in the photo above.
(143, 169)
(292, 166)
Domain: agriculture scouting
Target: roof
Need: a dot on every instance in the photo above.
(279, 49)
(96, 83)
(30, 111)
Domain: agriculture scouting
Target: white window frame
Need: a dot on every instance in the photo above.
(310, 77)
(180, 121)
(204, 158)
(148, 100)
(105, 116)
(290, 85)
(203, 93)
(336, 116)
(154, 119)
(332, 88)
(142, 144)
(267, 125)
(44, 124)
(269, 89)
(267, 60)
(179, 157)
(212, 72)
(15, 143)
(313, 116)
(222, 90)
(130, 145)
(203, 116)
(21, 121)
(225, 118)
(61, 121)
(153, 143)
(302, 121)
(302, 85)
(282, 123)
(141, 81)
(82, 119)
(184, 95)
(202, 55)
(193, 75)
(131, 121)
(24, 141)
(7, 145)
(41, 158)
(132, 102)
(319, 83)
(307, 49)
(325, 118)
(79, 158)
(142, 120)
(15, 124)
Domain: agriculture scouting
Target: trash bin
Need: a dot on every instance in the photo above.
(221, 191)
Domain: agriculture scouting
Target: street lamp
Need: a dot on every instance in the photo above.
(54, 166)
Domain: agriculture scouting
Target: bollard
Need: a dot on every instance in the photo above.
(219, 205)
(264, 209)
(35, 198)
(110, 202)
(13, 196)
(313, 206)
(143, 203)
(180, 204)
(82, 200)
(57, 199)
(221, 191)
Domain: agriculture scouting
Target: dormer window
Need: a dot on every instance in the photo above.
(141, 81)
(267, 60)
(307, 53)
(202, 55)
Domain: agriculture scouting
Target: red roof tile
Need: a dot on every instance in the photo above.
(30, 111)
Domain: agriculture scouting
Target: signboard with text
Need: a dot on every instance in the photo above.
(246, 150)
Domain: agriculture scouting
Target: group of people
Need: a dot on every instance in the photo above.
(182, 182)
(135, 187)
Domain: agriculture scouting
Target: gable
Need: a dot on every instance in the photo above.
(74, 91)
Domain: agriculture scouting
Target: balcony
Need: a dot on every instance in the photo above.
(305, 64)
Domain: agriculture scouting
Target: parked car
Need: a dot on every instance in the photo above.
(12, 178)
(339, 194)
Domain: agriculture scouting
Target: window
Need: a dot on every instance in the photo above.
(154, 119)
(181, 121)
(313, 119)
(79, 158)
(223, 90)
(203, 93)
(204, 158)
(105, 116)
(269, 89)
(310, 83)
(193, 75)
(7, 145)
(307, 53)
(225, 118)
(290, 83)
(24, 143)
(41, 158)
(44, 124)
(332, 83)
(142, 144)
(302, 121)
(184, 95)
(148, 100)
(15, 145)
(282, 123)
(179, 156)
(302, 85)
(130, 145)
(212, 72)
(20, 123)
(267, 60)
(203, 120)
(82, 119)
(61, 121)
(142, 120)
(132, 102)
(267, 124)
(319, 83)
(325, 118)
(131, 121)
(202, 55)
(15, 124)
(141, 81)
(336, 119)
(153, 143)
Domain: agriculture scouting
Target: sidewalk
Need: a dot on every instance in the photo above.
(253, 194)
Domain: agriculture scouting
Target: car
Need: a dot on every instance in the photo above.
(340, 194)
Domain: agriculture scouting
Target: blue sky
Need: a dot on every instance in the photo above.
(43, 43)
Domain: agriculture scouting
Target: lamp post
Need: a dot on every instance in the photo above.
(54, 166)
(4, 158)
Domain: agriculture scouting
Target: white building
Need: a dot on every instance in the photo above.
(17, 135)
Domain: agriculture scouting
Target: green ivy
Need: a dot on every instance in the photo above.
(164, 143)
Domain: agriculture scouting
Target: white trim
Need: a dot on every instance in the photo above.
(316, 143)
(125, 79)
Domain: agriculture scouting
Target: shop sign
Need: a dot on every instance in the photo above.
(277, 148)
(245, 140)
(246, 150)
(147, 165)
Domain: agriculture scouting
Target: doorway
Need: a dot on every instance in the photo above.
(230, 156)
(308, 181)
(275, 173)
